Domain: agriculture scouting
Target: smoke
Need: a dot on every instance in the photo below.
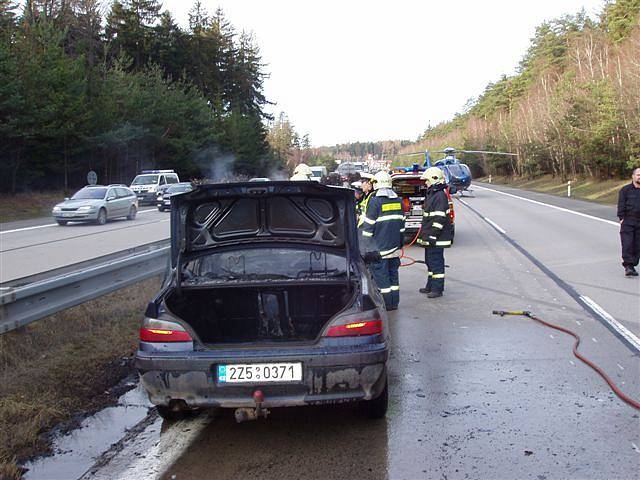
(216, 166)
(277, 174)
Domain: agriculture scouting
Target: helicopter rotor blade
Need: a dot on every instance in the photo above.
(413, 154)
(484, 151)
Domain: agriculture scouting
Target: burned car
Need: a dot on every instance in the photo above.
(268, 304)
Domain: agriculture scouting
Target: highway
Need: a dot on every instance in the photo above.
(32, 247)
(473, 395)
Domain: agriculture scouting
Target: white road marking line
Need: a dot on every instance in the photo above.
(151, 458)
(578, 322)
(616, 325)
(620, 366)
(592, 338)
(28, 228)
(2, 232)
(635, 447)
(551, 336)
(494, 225)
(572, 363)
(573, 212)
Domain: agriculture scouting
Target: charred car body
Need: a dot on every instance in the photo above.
(268, 304)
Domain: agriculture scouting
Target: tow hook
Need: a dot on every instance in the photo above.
(246, 414)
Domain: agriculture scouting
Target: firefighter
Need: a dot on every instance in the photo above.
(366, 185)
(629, 215)
(302, 172)
(382, 229)
(436, 232)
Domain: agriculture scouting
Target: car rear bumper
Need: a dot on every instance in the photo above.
(359, 374)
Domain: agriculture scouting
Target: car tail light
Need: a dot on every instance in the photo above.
(406, 205)
(154, 330)
(357, 324)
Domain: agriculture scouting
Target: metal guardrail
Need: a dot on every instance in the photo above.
(22, 305)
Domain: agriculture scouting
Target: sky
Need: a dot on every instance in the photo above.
(352, 70)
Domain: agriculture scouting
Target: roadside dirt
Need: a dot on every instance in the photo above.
(24, 206)
(600, 191)
(56, 371)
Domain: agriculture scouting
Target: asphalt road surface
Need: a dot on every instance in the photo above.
(32, 247)
(473, 395)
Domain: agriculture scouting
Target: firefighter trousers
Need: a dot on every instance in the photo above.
(434, 259)
(630, 238)
(385, 273)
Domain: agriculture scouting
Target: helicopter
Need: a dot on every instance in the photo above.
(457, 174)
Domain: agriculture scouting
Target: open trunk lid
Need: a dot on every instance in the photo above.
(226, 214)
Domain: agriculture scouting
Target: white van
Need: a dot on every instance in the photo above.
(318, 172)
(151, 183)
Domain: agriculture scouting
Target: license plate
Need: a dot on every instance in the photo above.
(260, 372)
(68, 214)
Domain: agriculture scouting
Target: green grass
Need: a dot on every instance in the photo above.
(23, 206)
(600, 191)
(62, 366)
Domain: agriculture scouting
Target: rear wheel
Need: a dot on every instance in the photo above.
(62, 222)
(377, 408)
(102, 217)
(132, 213)
(160, 208)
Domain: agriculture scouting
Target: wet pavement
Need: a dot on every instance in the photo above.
(472, 395)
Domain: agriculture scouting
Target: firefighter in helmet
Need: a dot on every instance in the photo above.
(382, 229)
(302, 172)
(436, 233)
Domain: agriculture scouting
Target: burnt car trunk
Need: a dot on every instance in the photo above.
(259, 314)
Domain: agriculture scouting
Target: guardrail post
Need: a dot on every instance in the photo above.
(569, 188)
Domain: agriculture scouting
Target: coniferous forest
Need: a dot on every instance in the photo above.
(120, 88)
(572, 108)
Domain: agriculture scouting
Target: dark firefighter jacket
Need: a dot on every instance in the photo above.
(629, 204)
(383, 225)
(436, 228)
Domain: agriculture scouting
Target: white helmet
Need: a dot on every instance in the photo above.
(366, 177)
(302, 169)
(381, 180)
(433, 176)
(300, 177)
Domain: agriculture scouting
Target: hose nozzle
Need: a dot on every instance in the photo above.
(502, 313)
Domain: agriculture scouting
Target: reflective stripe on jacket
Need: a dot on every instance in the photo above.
(436, 224)
(382, 225)
(361, 208)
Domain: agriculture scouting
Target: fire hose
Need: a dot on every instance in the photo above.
(411, 260)
(628, 400)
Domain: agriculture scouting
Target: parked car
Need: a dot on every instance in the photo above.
(268, 304)
(412, 190)
(164, 199)
(151, 183)
(97, 203)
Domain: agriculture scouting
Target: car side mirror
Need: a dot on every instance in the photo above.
(110, 198)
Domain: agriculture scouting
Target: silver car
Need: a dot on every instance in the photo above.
(97, 204)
